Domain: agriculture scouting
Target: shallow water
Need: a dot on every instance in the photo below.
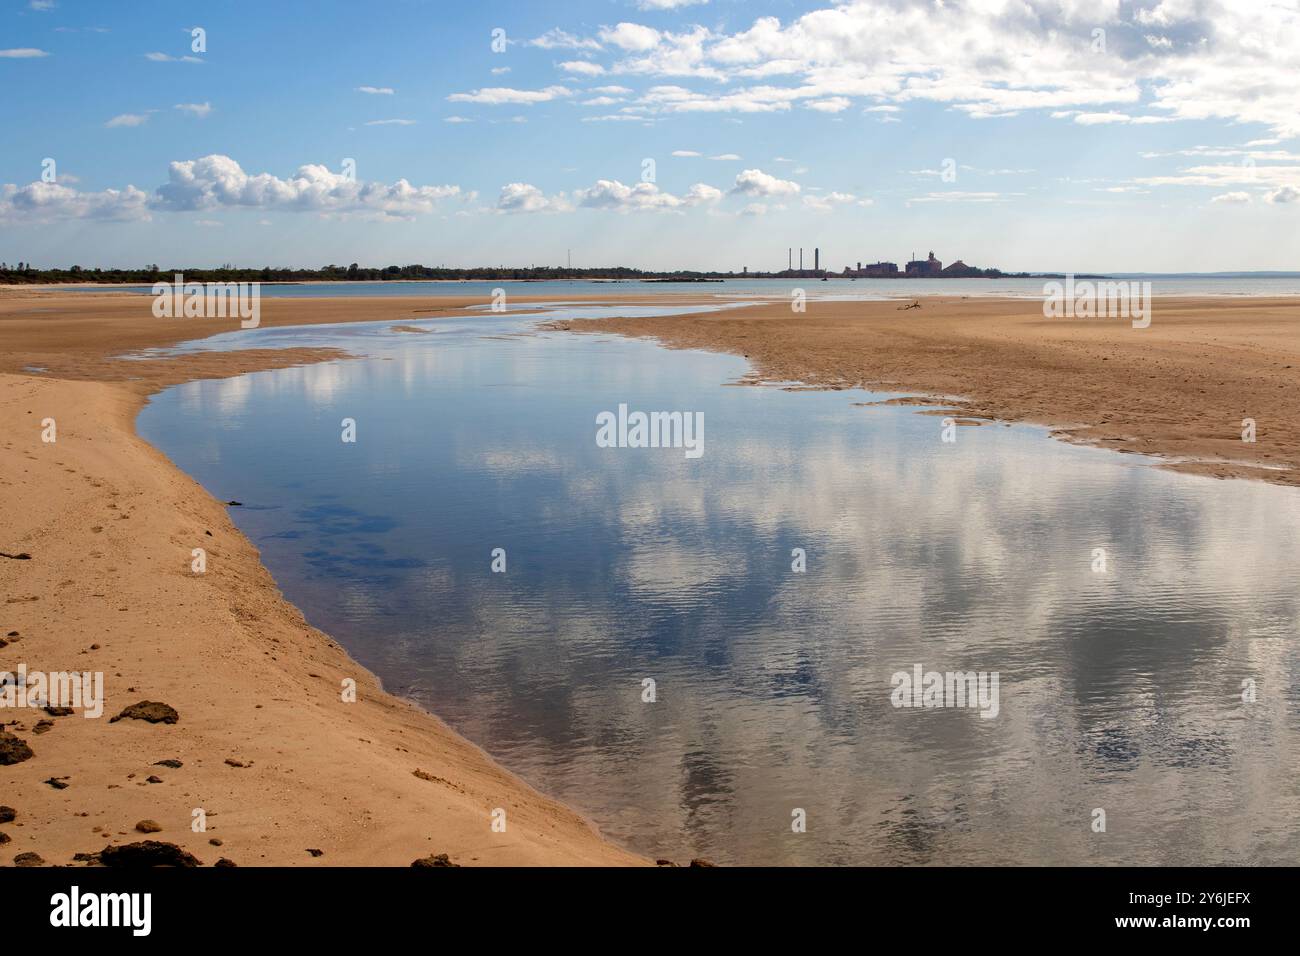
(1119, 690)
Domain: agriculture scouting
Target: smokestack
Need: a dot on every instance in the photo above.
(789, 259)
(817, 259)
(801, 258)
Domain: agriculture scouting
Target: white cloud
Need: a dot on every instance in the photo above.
(559, 40)
(526, 198)
(667, 4)
(726, 157)
(632, 37)
(1234, 198)
(218, 181)
(165, 58)
(755, 182)
(614, 195)
(832, 104)
(686, 153)
(128, 119)
(22, 53)
(582, 68)
(825, 202)
(499, 70)
(376, 90)
(496, 95)
(456, 119)
(41, 5)
(200, 110)
(50, 202)
(1284, 194)
(391, 122)
(754, 209)
(1204, 59)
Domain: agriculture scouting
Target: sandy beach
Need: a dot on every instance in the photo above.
(1179, 389)
(279, 763)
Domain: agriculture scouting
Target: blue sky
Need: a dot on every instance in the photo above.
(1003, 133)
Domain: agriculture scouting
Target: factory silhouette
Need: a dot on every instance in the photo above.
(927, 268)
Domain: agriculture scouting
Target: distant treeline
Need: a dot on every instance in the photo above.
(25, 272)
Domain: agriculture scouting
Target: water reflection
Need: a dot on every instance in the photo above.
(1119, 690)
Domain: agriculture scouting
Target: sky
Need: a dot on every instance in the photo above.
(1081, 135)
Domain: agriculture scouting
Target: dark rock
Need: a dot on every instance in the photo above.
(58, 783)
(149, 826)
(234, 504)
(28, 859)
(43, 727)
(13, 749)
(4, 838)
(665, 863)
(8, 814)
(316, 852)
(153, 778)
(215, 841)
(231, 762)
(429, 862)
(150, 710)
(147, 853)
(697, 863)
(223, 863)
(171, 762)
(59, 711)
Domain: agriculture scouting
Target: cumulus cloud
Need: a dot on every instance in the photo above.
(1164, 60)
(632, 37)
(217, 181)
(496, 95)
(195, 109)
(1284, 194)
(755, 182)
(41, 202)
(582, 68)
(526, 198)
(614, 195)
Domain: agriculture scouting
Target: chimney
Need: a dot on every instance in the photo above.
(817, 259)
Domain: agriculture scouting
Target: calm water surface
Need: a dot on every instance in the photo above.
(1119, 690)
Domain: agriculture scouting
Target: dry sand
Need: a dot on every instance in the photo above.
(110, 523)
(1179, 388)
